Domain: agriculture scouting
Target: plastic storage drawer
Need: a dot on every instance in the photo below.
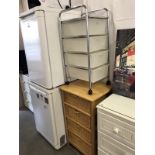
(82, 74)
(79, 45)
(96, 59)
(76, 27)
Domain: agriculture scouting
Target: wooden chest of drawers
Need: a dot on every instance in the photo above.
(80, 113)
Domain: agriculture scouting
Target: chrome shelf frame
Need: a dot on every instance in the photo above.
(84, 16)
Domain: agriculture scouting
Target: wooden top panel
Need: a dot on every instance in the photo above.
(80, 88)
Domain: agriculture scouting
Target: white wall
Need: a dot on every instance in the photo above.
(21, 46)
(24, 5)
(54, 3)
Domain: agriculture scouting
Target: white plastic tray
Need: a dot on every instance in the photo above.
(96, 74)
(96, 59)
(80, 44)
(78, 27)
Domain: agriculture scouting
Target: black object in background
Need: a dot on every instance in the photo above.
(33, 3)
(22, 62)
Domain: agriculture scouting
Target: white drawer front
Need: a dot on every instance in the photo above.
(101, 152)
(96, 59)
(76, 28)
(80, 44)
(82, 74)
(117, 129)
(112, 146)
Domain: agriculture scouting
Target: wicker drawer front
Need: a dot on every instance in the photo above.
(119, 130)
(78, 116)
(78, 102)
(79, 144)
(78, 130)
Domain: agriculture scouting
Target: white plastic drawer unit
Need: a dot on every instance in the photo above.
(79, 45)
(75, 28)
(96, 59)
(82, 74)
(112, 147)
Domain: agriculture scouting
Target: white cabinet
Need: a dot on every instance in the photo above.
(48, 114)
(24, 81)
(42, 114)
(40, 34)
(116, 126)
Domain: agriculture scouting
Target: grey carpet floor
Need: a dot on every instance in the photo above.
(32, 143)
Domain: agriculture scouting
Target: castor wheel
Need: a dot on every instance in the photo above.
(108, 82)
(67, 82)
(90, 92)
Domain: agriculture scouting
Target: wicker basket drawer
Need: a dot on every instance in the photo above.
(77, 102)
(77, 116)
(78, 130)
(79, 144)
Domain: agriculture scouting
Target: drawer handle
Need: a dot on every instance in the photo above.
(116, 130)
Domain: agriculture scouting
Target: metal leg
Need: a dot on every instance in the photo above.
(108, 82)
(90, 92)
(61, 42)
(67, 82)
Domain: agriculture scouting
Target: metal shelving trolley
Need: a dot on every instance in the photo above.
(85, 45)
